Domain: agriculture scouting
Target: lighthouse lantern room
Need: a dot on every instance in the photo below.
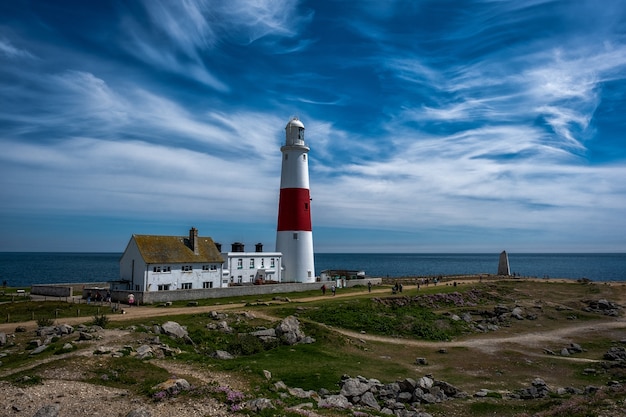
(294, 236)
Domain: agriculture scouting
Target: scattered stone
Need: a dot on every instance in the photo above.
(421, 361)
(144, 352)
(173, 386)
(20, 329)
(85, 336)
(334, 401)
(267, 374)
(3, 339)
(222, 355)
(259, 404)
(38, 350)
(50, 410)
(173, 329)
(101, 350)
(280, 386)
(139, 412)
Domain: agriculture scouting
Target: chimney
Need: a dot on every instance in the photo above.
(237, 247)
(218, 246)
(193, 240)
(258, 247)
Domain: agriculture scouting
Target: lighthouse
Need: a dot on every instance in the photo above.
(294, 236)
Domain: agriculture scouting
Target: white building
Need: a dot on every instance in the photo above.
(165, 263)
(258, 267)
(294, 236)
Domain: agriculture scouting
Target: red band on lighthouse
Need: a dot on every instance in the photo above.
(294, 212)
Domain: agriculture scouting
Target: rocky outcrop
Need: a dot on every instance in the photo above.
(602, 306)
(288, 331)
(173, 329)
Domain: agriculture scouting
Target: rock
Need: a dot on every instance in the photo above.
(139, 412)
(222, 355)
(64, 329)
(565, 352)
(223, 326)
(46, 330)
(38, 350)
(173, 329)
(264, 333)
(300, 393)
(259, 404)
(288, 330)
(334, 401)
(20, 329)
(101, 350)
(68, 346)
(35, 343)
(3, 339)
(173, 386)
(407, 385)
(369, 400)
(267, 374)
(353, 388)
(144, 351)
(85, 336)
(517, 313)
(421, 361)
(425, 382)
(575, 348)
(50, 410)
(280, 386)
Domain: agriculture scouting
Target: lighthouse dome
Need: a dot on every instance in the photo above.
(294, 132)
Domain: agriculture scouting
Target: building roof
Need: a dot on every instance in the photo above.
(176, 249)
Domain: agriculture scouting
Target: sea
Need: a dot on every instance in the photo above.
(22, 269)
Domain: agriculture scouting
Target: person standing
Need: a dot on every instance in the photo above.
(369, 286)
(333, 289)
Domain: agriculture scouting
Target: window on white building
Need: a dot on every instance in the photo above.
(164, 287)
(252, 263)
(207, 284)
(186, 286)
(272, 263)
(262, 262)
(187, 268)
(239, 263)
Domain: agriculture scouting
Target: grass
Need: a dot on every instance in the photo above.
(321, 364)
(21, 311)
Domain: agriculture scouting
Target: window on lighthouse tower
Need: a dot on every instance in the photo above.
(301, 133)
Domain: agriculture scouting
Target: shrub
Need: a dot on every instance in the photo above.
(101, 320)
(45, 322)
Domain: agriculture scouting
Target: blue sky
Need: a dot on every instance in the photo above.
(434, 126)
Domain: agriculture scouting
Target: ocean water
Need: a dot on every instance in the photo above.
(25, 269)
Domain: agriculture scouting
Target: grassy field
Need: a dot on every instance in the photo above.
(380, 336)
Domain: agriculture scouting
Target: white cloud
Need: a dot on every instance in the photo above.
(7, 49)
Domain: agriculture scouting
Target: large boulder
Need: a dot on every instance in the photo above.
(173, 329)
(288, 330)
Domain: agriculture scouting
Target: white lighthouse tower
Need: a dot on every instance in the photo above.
(294, 236)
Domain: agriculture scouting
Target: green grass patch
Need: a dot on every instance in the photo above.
(390, 320)
(22, 311)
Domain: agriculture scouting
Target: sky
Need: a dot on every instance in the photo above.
(435, 126)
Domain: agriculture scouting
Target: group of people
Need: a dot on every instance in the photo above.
(98, 297)
(332, 288)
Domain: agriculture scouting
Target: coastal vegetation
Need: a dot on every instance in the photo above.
(469, 335)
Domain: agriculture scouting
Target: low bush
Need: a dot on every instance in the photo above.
(101, 320)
